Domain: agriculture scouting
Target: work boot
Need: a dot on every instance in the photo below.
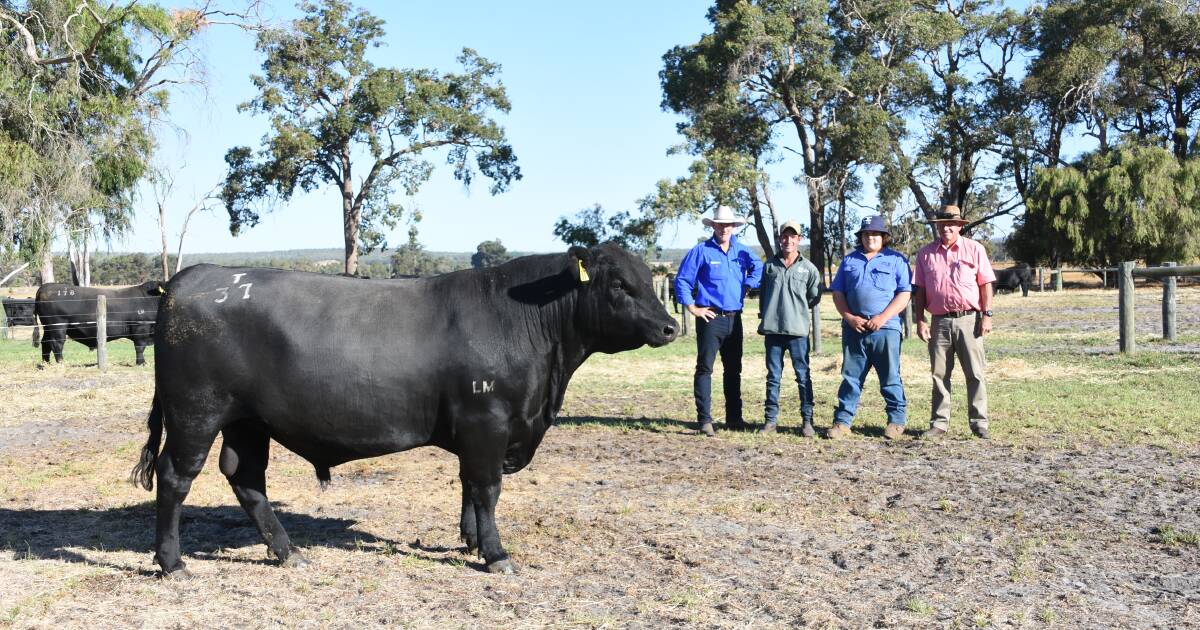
(707, 429)
(806, 429)
(768, 427)
(934, 433)
(893, 431)
(981, 432)
(740, 425)
(838, 431)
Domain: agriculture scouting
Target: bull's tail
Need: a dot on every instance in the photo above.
(143, 473)
(37, 326)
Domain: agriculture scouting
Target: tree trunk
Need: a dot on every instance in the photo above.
(350, 214)
(760, 229)
(86, 256)
(162, 231)
(47, 265)
(816, 230)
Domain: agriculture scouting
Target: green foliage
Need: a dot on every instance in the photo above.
(590, 228)
(489, 254)
(1134, 202)
(79, 91)
(411, 259)
(332, 109)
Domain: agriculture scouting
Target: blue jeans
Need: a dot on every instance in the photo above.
(722, 335)
(797, 347)
(861, 352)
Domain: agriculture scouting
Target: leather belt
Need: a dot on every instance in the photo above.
(958, 314)
(719, 313)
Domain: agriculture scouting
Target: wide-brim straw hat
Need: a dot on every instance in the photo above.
(724, 214)
(948, 214)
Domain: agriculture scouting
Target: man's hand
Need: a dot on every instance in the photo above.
(703, 312)
(985, 325)
(859, 324)
(876, 323)
(923, 331)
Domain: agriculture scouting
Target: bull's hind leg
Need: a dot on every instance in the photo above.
(244, 455)
(179, 463)
(467, 528)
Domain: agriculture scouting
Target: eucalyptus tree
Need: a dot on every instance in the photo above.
(332, 110)
(1124, 74)
(775, 72)
(81, 85)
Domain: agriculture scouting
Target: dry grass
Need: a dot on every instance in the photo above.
(626, 519)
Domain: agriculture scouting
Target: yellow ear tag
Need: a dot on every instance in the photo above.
(583, 277)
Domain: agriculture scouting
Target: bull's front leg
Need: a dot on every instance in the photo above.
(481, 487)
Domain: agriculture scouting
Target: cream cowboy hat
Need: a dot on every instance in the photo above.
(724, 214)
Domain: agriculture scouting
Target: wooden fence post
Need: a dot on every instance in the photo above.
(1125, 300)
(1104, 279)
(1057, 279)
(102, 332)
(906, 320)
(1041, 281)
(1168, 306)
(814, 338)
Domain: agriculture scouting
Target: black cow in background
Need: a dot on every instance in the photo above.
(1013, 277)
(335, 369)
(21, 312)
(70, 311)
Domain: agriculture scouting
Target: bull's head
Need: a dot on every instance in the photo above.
(617, 305)
(154, 288)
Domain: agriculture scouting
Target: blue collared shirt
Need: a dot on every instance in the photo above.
(719, 278)
(870, 285)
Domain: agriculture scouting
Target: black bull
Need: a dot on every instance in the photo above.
(337, 369)
(21, 312)
(67, 310)
(1020, 276)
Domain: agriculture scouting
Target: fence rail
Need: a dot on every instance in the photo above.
(1126, 272)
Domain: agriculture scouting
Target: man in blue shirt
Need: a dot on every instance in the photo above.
(711, 283)
(871, 288)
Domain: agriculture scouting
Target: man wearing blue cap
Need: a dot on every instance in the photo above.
(871, 288)
(712, 282)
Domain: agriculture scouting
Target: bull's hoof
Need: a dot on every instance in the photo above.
(295, 561)
(178, 574)
(503, 565)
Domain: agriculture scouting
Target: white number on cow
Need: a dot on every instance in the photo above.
(224, 295)
(246, 295)
(483, 387)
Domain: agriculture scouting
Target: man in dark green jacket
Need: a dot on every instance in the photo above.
(790, 288)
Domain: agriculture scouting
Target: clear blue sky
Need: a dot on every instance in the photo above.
(586, 124)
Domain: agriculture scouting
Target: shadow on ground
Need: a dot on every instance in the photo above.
(204, 532)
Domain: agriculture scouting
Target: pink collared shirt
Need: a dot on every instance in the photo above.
(952, 276)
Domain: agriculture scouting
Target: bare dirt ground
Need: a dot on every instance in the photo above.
(626, 528)
(620, 521)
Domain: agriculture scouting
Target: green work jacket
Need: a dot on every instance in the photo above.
(786, 296)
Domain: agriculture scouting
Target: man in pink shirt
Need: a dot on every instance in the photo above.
(953, 281)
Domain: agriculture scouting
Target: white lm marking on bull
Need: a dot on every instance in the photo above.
(483, 387)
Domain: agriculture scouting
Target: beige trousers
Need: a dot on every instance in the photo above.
(952, 337)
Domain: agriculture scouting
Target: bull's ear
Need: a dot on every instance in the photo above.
(580, 257)
(154, 287)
